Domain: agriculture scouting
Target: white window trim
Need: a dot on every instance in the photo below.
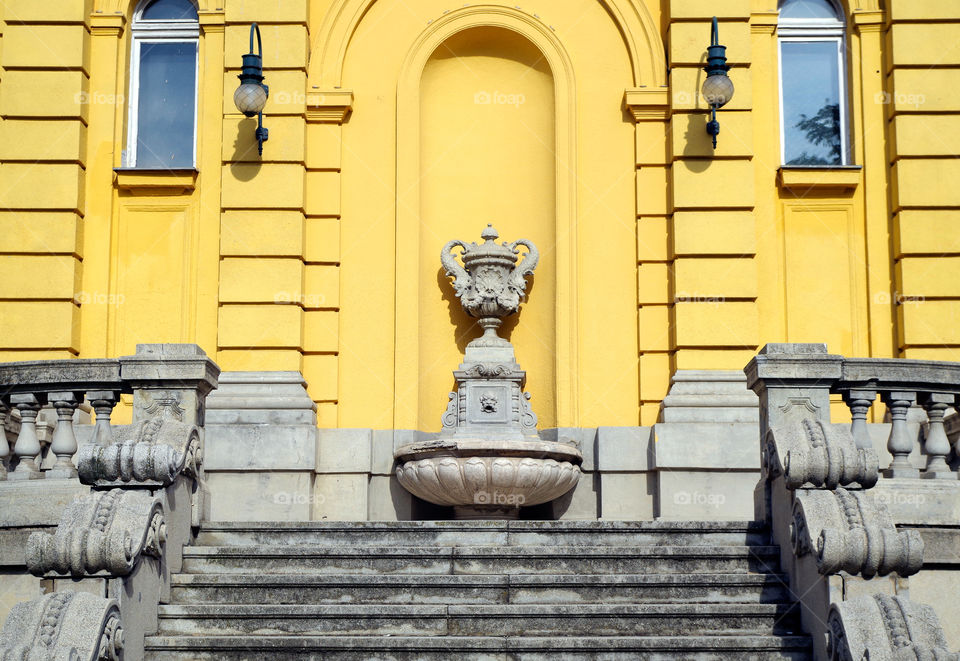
(151, 32)
(817, 29)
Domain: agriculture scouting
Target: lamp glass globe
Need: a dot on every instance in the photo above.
(717, 90)
(250, 99)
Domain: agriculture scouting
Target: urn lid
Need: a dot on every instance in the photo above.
(490, 250)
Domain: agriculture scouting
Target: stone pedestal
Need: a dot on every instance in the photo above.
(489, 460)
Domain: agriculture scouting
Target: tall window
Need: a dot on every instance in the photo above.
(813, 89)
(161, 132)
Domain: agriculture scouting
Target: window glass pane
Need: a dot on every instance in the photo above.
(807, 9)
(811, 103)
(165, 10)
(166, 105)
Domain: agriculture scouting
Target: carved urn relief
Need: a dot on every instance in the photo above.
(489, 460)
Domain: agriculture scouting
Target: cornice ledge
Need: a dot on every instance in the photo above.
(764, 22)
(869, 20)
(648, 104)
(329, 106)
(212, 21)
(107, 25)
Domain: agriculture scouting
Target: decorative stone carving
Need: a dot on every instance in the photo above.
(489, 460)
(151, 452)
(885, 628)
(63, 626)
(451, 473)
(816, 453)
(104, 533)
(852, 532)
(490, 284)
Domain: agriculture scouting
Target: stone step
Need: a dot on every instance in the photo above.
(527, 648)
(666, 619)
(479, 559)
(258, 588)
(476, 533)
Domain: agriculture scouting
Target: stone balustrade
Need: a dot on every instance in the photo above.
(825, 499)
(806, 375)
(903, 384)
(63, 386)
(124, 537)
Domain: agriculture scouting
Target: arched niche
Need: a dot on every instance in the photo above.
(549, 324)
(640, 33)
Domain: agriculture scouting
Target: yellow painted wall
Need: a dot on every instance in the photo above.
(659, 253)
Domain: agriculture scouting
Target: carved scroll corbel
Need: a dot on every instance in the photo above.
(104, 533)
(885, 628)
(153, 452)
(818, 454)
(851, 532)
(63, 626)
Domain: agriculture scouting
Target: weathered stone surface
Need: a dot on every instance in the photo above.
(261, 398)
(849, 531)
(107, 532)
(260, 495)
(345, 451)
(627, 496)
(340, 497)
(505, 482)
(169, 375)
(709, 396)
(685, 495)
(63, 626)
(150, 452)
(37, 502)
(819, 454)
(625, 449)
(259, 447)
(705, 446)
(886, 628)
(459, 589)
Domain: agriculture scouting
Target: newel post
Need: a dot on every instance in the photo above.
(170, 379)
(793, 383)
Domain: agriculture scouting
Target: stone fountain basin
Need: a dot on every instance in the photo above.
(492, 473)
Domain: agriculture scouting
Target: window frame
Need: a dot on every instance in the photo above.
(184, 30)
(806, 30)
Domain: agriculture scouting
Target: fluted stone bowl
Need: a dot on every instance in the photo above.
(488, 479)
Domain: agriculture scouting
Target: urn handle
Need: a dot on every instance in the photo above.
(453, 268)
(516, 279)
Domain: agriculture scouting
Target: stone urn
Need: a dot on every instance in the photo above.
(489, 460)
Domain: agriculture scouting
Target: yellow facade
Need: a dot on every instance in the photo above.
(397, 126)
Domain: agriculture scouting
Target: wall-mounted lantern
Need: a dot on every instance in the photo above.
(717, 88)
(251, 96)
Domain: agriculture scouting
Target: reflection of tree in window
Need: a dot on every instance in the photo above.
(822, 130)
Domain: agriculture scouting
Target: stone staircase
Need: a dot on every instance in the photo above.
(479, 590)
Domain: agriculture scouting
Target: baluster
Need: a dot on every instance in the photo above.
(900, 443)
(27, 448)
(4, 446)
(64, 444)
(937, 444)
(860, 402)
(103, 402)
